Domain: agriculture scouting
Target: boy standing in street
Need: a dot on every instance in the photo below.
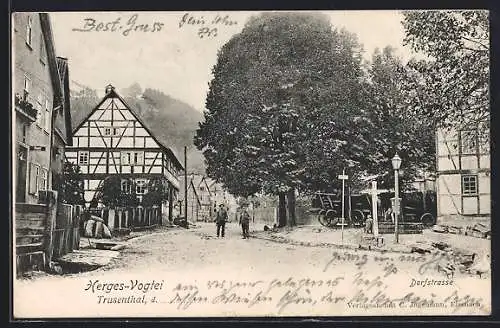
(221, 220)
(245, 223)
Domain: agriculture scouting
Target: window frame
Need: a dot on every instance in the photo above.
(111, 131)
(29, 32)
(128, 186)
(43, 179)
(132, 158)
(43, 51)
(26, 87)
(470, 187)
(83, 152)
(34, 177)
(24, 133)
(141, 186)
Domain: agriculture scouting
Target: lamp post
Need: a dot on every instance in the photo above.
(343, 177)
(396, 164)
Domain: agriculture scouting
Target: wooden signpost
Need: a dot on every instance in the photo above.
(343, 177)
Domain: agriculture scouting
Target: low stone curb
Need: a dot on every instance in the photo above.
(282, 240)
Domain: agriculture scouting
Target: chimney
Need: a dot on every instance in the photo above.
(109, 88)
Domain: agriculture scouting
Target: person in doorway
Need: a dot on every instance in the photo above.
(221, 220)
(245, 223)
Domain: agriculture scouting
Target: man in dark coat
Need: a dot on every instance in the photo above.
(245, 223)
(221, 220)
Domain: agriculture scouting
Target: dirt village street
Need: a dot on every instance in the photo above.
(192, 272)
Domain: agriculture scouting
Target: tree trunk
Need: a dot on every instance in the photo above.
(282, 210)
(291, 207)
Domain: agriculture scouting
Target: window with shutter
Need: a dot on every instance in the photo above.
(34, 173)
(42, 181)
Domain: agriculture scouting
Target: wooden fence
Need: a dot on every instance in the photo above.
(130, 218)
(45, 231)
(403, 228)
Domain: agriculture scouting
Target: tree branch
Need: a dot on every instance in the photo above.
(476, 42)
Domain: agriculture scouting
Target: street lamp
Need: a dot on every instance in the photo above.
(396, 164)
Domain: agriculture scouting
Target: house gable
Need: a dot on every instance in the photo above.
(112, 124)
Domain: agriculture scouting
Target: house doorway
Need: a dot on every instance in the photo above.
(21, 167)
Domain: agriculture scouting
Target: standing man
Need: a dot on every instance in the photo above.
(221, 220)
(245, 222)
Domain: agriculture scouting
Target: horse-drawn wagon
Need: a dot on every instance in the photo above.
(417, 207)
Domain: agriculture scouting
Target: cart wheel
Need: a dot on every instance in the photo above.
(357, 217)
(330, 218)
(427, 219)
(322, 218)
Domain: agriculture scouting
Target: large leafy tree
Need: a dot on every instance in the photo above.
(69, 184)
(452, 84)
(112, 195)
(392, 125)
(278, 89)
(157, 192)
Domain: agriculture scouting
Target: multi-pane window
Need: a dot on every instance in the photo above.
(43, 52)
(140, 186)
(43, 180)
(132, 158)
(469, 185)
(38, 178)
(126, 186)
(468, 141)
(29, 31)
(110, 131)
(83, 157)
(27, 87)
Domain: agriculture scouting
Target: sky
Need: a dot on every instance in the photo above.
(172, 55)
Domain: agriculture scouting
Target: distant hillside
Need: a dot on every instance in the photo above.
(172, 121)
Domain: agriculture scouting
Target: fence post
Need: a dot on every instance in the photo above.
(120, 214)
(125, 221)
(110, 222)
(77, 218)
(49, 198)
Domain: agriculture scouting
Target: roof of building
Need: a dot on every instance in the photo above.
(58, 68)
(192, 187)
(113, 94)
(62, 68)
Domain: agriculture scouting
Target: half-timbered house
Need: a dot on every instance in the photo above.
(463, 172)
(113, 140)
